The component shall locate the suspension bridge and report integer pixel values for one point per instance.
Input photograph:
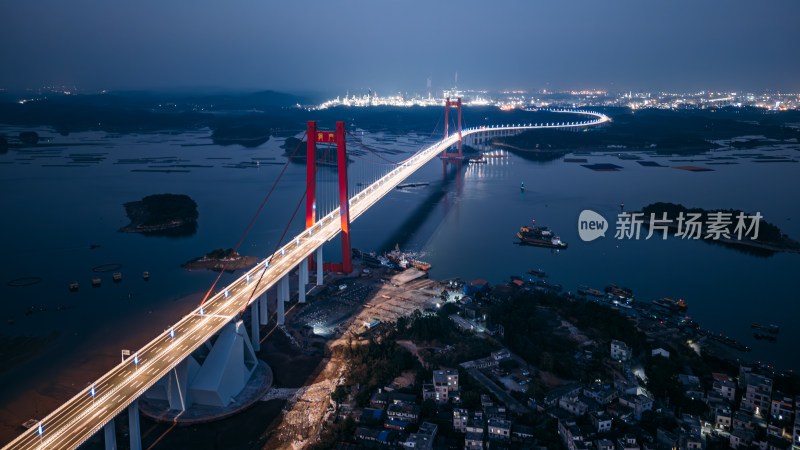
(220, 313)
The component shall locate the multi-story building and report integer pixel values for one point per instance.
(444, 383)
(473, 441)
(601, 393)
(573, 404)
(796, 432)
(758, 393)
(620, 351)
(725, 388)
(476, 425)
(604, 444)
(627, 442)
(601, 421)
(722, 418)
(424, 438)
(428, 392)
(460, 418)
(375, 437)
(638, 403)
(499, 429)
(781, 407)
(741, 437)
(403, 411)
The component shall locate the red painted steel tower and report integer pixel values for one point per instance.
(447, 106)
(329, 137)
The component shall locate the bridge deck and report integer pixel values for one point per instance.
(83, 415)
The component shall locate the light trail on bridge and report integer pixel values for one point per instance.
(83, 415)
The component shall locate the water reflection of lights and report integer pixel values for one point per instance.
(491, 165)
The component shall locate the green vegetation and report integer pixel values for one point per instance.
(161, 209)
(533, 331)
(168, 214)
(767, 232)
(375, 363)
(770, 238)
(221, 254)
(339, 432)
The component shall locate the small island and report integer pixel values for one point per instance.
(220, 259)
(172, 215)
(770, 238)
(249, 135)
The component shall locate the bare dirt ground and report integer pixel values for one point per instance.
(307, 410)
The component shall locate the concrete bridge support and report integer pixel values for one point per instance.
(255, 336)
(302, 281)
(133, 425)
(110, 432)
(319, 266)
(262, 309)
(283, 296)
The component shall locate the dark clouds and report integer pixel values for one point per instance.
(392, 45)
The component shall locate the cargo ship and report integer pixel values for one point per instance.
(771, 328)
(403, 260)
(583, 290)
(540, 236)
(538, 273)
(421, 265)
(672, 305)
(619, 293)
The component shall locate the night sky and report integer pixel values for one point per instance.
(392, 46)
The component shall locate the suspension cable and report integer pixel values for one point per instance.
(285, 230)
(250, 225)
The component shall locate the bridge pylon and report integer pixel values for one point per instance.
(330, 137)
(448, 104)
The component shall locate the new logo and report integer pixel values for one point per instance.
(591, 225)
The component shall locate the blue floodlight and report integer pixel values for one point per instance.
(92, 391)
(136, 359)
(41, 430)
(172, 333)
(226, 293)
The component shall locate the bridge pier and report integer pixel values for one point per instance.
(302, 281)
(319, 266)
(255, 336)
(285, 288)
(281, 314)
(133, 425)
(262, 309)
(283, 296)
(110, 432)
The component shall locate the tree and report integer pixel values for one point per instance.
(428, 409)
(339, 394)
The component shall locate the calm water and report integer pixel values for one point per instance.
(464, 224)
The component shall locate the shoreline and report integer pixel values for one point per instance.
(791, 246)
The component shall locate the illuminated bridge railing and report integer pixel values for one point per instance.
(87, 412)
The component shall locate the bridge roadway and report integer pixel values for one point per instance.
(87, 412)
